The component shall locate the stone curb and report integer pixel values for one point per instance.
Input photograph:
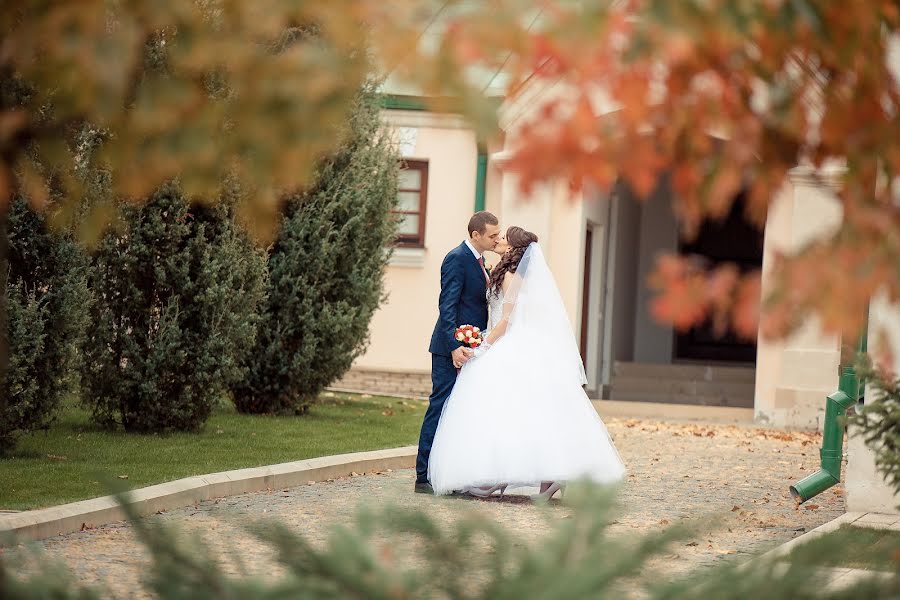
(86, 514)
(819, 531)
(839, 577)
(858, 519)
(362, 392)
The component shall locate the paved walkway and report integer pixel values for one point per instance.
(676, 471)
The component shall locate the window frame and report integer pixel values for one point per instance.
(407, 240)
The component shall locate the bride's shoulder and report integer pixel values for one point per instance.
(508, 278)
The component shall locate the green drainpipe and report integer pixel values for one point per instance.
(832, 440)
(480, 179)
(833, 436)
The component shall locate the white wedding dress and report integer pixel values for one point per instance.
(517, 414)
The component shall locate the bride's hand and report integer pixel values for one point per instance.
(480, 350)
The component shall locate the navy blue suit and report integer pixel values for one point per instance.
(463, 301)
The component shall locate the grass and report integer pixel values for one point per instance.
(857, 548)
(73, 460)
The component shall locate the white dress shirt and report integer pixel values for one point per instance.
(479, 257)
(474, 251)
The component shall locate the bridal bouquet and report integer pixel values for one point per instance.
(467, 335)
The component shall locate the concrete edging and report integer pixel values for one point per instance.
(858, 519)
(833, 525)
(85, 514)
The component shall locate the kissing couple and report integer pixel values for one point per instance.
(512, 411)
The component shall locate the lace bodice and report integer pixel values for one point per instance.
(495, 308)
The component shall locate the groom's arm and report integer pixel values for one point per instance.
(448, 303)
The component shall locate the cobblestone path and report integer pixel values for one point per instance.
(676, 471)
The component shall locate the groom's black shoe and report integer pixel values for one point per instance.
(423, 487)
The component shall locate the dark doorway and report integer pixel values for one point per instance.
(734, 240)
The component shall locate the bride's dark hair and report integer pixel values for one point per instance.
(518, 239)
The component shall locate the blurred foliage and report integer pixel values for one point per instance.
(326, 271)
(723, 97)
(878, 420)
(397, 553)
(199, 89)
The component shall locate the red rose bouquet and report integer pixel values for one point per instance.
(468, 336)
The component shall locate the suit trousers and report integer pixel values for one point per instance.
(443, 377)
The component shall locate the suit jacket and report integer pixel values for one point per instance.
(463, 299)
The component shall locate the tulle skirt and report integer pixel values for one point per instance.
(519, 416)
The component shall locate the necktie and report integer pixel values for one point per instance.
(483, 270)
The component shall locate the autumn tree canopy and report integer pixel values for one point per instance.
(722, 96)
(719, 94)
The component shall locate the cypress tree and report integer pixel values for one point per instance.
(326, 272)
(177, 292)
(47, 302)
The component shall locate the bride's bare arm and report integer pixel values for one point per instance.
(500, 328)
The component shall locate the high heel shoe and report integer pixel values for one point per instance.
(548, 493)
(487, 492)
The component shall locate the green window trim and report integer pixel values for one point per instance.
(399, 102)
(395, 102)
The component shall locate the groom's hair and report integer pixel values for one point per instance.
(480, 221)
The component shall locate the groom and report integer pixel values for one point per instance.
(463, 301)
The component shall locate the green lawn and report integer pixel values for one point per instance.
(852, 547)
(71, 461)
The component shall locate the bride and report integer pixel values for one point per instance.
(517, 415)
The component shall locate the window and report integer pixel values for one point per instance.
(411, 201)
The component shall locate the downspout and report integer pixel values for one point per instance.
(832, 440)
(831, 453)
(480, 178)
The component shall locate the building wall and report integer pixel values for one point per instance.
(622, 272)
(598, 217)
(401, 328)
(565, 249)
(557, 217)
(653, 342)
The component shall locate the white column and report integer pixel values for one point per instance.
(866, 489)
(794, 375)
